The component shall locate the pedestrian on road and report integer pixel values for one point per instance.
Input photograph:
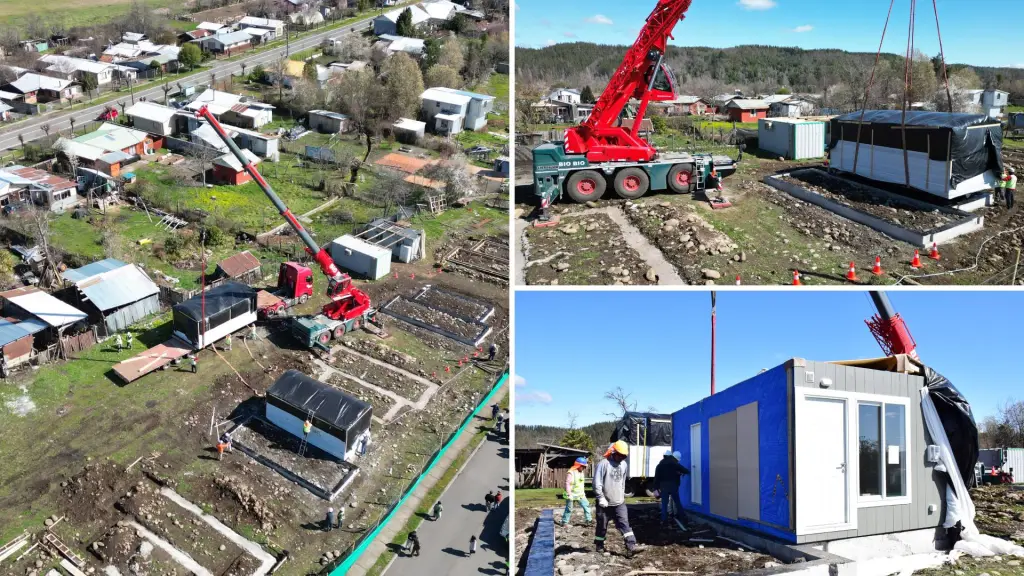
(416, 547)
(120, 344)
(492, 352)
(437, 510)
(610, 488)
(131, 341)
(330, 519)
(193, 363)
(497, 499)
(1010, 189)
(494, 411)
(409, 541)
(472, 545)
(501, 420)
(667, 476)
(489, 500)
(575, 491)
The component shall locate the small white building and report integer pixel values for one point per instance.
(792, 138)
(360, 257)
(410, 131)
(387, 23)
(566, 95)
(211, 26)
(451, 111)
(151, 117)
(327, 122)
(991, 102)
(269, 23)
(390, 44)
(80, 68)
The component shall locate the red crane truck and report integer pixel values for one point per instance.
(349, 308)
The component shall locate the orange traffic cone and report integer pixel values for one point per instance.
(396, 275)
(935, 252)
(738, 283)
(433, 374)
(412, 276)
(460, 362)
(916, 262)
(851, 274)
(447, 369)
(796, 278)
(877, 270)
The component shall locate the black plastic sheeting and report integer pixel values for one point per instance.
(957, 420)
(218, 299)
(975, 148)
(639, 429)
(340, 414)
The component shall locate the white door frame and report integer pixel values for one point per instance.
(804, 487)
(696, 470)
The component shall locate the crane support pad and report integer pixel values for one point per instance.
(541, 561)
(151, 360)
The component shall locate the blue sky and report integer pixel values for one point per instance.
(973, 32)
(572, 347)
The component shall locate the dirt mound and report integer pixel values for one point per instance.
(90, 495)
(1000, 511)
(245, 496)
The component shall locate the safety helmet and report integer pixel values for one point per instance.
(677, 455)
(1012, 170)
(619, 446)
(582, 461)
(668, 452)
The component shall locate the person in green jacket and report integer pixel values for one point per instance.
(575, 492)
(1010, 187)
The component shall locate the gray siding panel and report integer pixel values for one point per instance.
(723, 475)
(924, 485)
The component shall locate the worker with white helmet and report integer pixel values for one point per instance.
(667, 476)
(610, 488)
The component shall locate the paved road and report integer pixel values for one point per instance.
(31, 131)
(445, 543)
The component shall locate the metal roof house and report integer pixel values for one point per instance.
(450, 111)
(114, 293)
(327, 122)
(340, 421)
(209, 316)
(152, 118)
(406, 244)
(243, 267)
(814, 452)
(30, 316)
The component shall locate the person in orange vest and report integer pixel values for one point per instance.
(575, 493)
(221, 446)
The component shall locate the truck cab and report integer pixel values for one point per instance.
(294, 282)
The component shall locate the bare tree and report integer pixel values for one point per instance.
(71, 120)
(166, 88)
(390, 190)
(243, 66)
(205, 155)
(570, 419)
(45, 127)
(621, 399)
(122, 104)
(34, 222)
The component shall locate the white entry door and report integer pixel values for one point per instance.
(695, 463)
(822, 464)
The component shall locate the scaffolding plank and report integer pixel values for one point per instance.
(151, 360)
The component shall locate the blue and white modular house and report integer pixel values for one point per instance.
(814, 451)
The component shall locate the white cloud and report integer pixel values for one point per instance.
(519, 380)
(804, 28)
(599, 19)
(758, 4)
(550, 43)
(538, 397)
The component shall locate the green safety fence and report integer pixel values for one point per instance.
(368, 539)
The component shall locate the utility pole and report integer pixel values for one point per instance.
(713, 343)
(131, 88)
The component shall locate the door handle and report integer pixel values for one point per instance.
(842, 467)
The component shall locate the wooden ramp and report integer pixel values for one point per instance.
(153, 359)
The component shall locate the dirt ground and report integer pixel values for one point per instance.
(381, 404)
(775, 234)
(667, 548)
(436, 318)
(315, 466)
(95, 428)
(448, 301)
(489, 263)
(584, 250)
(379, 376)
(1000, 511)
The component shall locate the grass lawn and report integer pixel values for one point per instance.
(471, 139)
(427, 504)
(552, 498)
(76, 12)
(462, 218)
(1013, 109)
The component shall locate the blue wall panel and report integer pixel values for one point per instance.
(770, 390)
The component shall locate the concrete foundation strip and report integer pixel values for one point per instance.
(70, 568)
(254, 549)
(13, 546)
(178, 556)
(485, 330)
(967, 224)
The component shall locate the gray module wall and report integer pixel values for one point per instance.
(925, 483)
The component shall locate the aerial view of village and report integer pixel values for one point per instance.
(254, 274)
(789, 163)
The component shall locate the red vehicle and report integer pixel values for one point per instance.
(109, 114)
(294, 286)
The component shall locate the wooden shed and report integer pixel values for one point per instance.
(546, 466)
(242, 267)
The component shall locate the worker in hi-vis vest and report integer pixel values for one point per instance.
(575, 492)
(1010, 187)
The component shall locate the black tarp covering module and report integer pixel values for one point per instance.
(957, 420)
(973, 143)
(334, 411)
(644, 429)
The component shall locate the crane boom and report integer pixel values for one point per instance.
(889, 329)
(642, 75)
(338, 280)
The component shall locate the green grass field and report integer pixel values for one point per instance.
(76, 12)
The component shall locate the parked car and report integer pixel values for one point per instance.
(109, 114)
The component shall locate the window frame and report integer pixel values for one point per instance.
(880, 401)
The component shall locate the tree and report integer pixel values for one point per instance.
(404, 25)
(451, 54)
(242, 66)
(358, 94)
(258, 74)
(190, 55)
(587, 95)
(89, 84)
(577, 439)
(658, 122)
(391, 190)
(154, 65)
(783, 90)
(166, 88)
(403, 86)
(7, 264)
(621, 399)
(458, 24)
(924, 81)
(442, 76)
(45, 127)
(354, 47)
(309, 71)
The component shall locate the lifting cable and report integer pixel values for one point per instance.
(871, 81)
(908, 88)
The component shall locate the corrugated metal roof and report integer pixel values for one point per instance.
(239, 264)
(118, 288)
(13, 331)
(44, 306)
(77, 275)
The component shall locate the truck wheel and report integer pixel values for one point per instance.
(632, 183)
(586, 186)
(681, 179)
(324, 337)
(339, 332)
(304, 298)
(356, 325)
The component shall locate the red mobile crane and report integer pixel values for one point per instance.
(349, 307)
(601, 151)
(889, 329)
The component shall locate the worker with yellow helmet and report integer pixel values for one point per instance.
(610, 488)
